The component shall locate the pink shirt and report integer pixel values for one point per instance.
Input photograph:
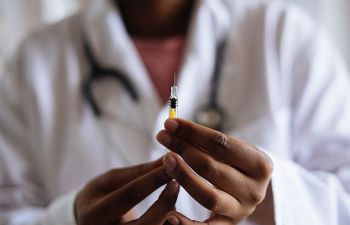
(162, 59)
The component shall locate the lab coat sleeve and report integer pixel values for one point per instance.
(313, 185)
(23, 199)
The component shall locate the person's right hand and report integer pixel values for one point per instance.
(108, 198)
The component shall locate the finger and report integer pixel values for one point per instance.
(117, 203)
(176, 218)
(238, 153)
(223, 176)
(157, 213)
(203, 192)
(116, 178)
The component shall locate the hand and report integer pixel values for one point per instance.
(238, 172)
(108, 198)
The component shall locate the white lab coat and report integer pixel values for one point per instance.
(283, 86)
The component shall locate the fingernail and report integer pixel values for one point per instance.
(173, 220)
(170, 163)
(171, 125)
(164, 138)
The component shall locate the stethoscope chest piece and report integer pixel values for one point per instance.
(211, 116)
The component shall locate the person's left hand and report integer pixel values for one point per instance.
(238, 172)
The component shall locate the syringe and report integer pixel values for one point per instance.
(173, 101)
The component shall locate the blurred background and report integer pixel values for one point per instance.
(18, 17)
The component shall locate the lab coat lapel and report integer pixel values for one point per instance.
(105, 32)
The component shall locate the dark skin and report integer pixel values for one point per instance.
(226, 175)
(239, 172)
(156, 18)
(110, 197)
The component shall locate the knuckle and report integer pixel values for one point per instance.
(213, 202)
(264, 166)
(256, 197)
(220, 143)
(211, 169)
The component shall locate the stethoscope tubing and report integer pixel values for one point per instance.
(99, 72)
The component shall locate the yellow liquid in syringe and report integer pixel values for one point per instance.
(173, 113)
(173, 101)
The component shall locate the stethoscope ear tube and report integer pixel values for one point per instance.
(98, 73)
(87, 87)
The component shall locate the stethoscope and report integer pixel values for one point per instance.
(211, 115)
